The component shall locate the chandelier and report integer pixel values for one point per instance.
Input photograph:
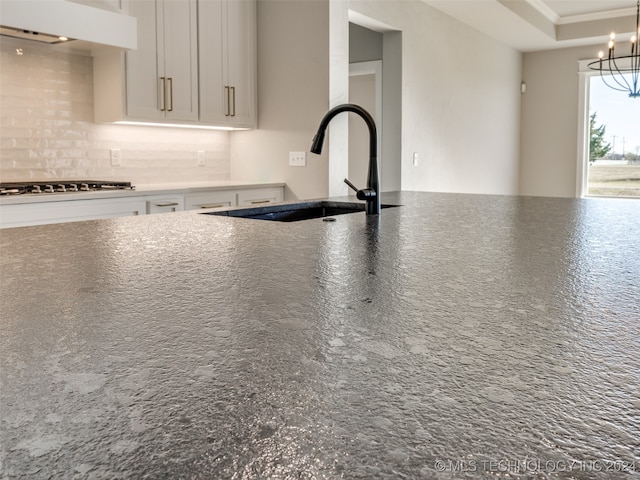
(621, 72)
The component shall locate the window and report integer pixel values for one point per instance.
(613, 142)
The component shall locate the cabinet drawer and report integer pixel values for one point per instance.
(69, 211)
(260, 196)
(165, 204)
(198, 201)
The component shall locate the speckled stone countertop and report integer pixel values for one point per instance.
(459, 336)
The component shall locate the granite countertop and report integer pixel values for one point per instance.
(139, 190)
(459, 336)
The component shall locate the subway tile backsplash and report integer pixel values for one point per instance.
(47, 129)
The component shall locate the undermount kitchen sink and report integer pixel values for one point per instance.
(294, 212)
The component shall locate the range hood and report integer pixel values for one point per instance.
(35, 36)
(49, 20)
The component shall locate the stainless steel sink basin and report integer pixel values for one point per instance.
(294, 212)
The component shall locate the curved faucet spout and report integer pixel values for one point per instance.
(372, 193)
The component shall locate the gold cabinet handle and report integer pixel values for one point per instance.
(167, 204)
(233, 96)
(170, 94)
(218, 205)
(163, 106)
(227, 108)
(256, 202)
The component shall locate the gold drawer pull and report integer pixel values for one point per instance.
(256, 202)
(233, 96)
(217, 205)
(163, 106)
(167, 204)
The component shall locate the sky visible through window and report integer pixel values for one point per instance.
(620, 114)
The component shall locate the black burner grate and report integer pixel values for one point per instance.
(61, 186)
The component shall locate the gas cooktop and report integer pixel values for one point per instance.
(61, 186)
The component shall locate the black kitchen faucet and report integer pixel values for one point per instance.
(371, 194)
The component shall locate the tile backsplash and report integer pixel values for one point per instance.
(47, 129)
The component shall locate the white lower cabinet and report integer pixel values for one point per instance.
(259, 196)
(201, 201)
(69, 211)
(42, 213)
(165, 204)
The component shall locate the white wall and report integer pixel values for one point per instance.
(365, 45)
(460, 106)
(549, 137)
(293, 95)
(460, 101)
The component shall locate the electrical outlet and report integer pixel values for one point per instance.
(200, 158)
(116, 157)
(297, 159)
(415, 159)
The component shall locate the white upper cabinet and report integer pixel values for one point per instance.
(195, 65)
(162, 74)
(227, 58)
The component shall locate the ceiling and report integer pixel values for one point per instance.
(531, 25)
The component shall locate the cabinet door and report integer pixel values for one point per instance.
(200, 201)
(143, 66)
(212, 58)
(165, 204)
(68, 211)
(180, 47)
(260, 196)
(161, 75)
(241, 60)
(227, 61)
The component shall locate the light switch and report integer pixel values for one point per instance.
(297, 159)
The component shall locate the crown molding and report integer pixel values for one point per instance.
(595, 16)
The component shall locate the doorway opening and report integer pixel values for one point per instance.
(613, 142)
(375, 73)
(365, 89)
